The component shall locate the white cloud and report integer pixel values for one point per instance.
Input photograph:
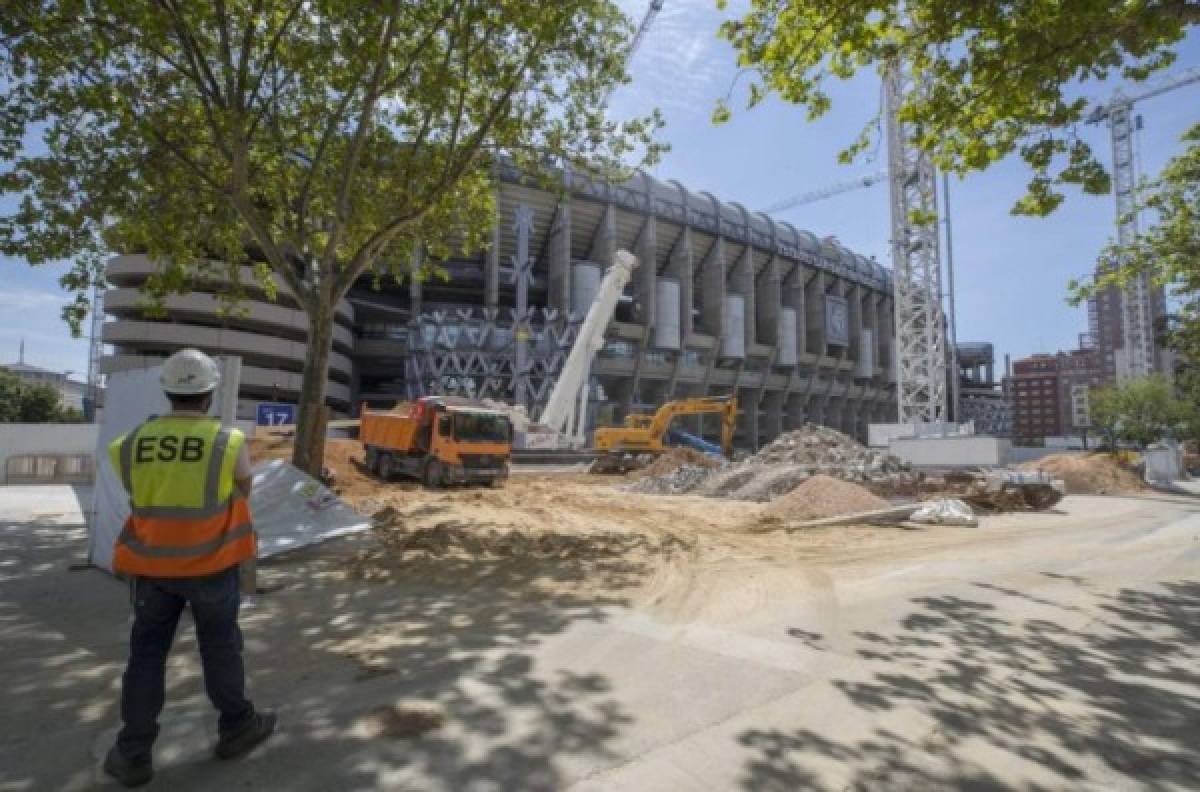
(681, 66)
(31, 299)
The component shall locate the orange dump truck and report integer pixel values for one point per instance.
(439, 441)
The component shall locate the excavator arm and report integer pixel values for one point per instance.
(621, 447)
(725, 406)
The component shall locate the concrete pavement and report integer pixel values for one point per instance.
(1038, 652)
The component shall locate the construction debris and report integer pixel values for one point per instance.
(944, 511)
(674, 459)
(1004, 490)
(785, 463)
(891, 515)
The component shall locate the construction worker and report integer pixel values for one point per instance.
(188, 480)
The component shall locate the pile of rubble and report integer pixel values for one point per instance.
(785, 463)
(1003, 490)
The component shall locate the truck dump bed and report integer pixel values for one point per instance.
(392, 430)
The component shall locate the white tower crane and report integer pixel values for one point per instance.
(643, 27)
(812, 196)
(1137, 315)
(916, 266)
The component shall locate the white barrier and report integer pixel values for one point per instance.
(964, 451)
(51, 439)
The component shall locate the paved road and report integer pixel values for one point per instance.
(1039, 652)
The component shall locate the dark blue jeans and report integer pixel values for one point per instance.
(158, 603)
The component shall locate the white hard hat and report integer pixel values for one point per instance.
(189, 371)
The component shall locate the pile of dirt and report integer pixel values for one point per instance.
(343, 457)
(784, 464)
(674, 459)
(823, 496)
(1089, 474)
(461, 539)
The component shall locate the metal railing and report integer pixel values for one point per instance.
(50, 469)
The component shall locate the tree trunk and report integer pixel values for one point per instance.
(308, 454)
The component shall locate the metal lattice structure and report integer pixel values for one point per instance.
(1138, 351)
(812, 196)
(1137, 325)
(473, 352)
(95, 352)
(916, 268)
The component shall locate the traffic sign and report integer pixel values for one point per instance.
(275, 414)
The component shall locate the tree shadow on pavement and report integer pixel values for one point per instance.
(330, 650)
(1112, 701)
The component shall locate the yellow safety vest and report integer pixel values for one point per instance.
(187, 517)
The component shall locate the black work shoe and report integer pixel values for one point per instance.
(245, 739)
(130, 774)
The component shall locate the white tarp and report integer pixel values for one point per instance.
(292, 510)
(945, 511)
(130, 398)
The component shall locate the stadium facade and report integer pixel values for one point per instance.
(724, 301)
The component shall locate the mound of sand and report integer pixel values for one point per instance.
(342, 455)
(1089, 474)
(823, 496)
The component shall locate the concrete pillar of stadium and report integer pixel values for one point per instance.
(558, 264)
(681, 266)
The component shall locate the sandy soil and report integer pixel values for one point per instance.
(1089, 474)
(575, 531)
(824, 496)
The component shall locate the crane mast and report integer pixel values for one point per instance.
(1137, 314)
(916, 266)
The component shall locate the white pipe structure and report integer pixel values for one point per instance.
(566, 409)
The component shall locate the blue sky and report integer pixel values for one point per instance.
(1011, 272)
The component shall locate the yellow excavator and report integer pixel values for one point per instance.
(642, 437)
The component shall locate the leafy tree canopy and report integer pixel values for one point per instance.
(1141, 411)
(993, 74)
(22, 402)
(319, 140)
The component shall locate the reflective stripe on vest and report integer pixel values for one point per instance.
(187, 517)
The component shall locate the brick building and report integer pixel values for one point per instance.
(1034, 391)
(1049, 393)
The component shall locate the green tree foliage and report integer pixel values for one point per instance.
(1104, 410)
(40, 404)
(318, 140)
(25, 403)
(993, 74)
(1140, 411)
(10, 397)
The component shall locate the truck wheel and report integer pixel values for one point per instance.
(433, 474)
(372, 460)
(385, 467)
